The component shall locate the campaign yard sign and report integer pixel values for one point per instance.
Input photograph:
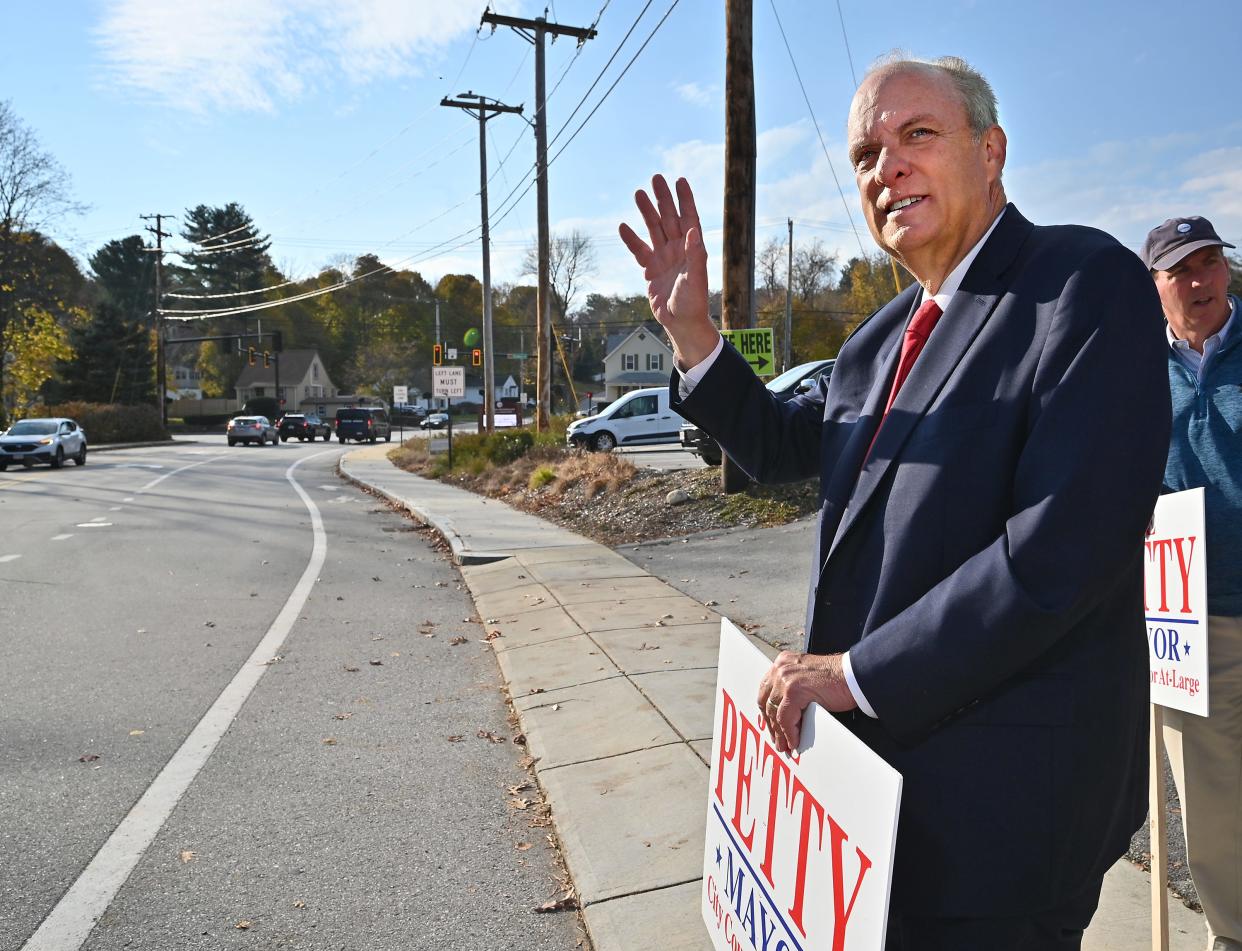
(1175, 602)
(799, 851)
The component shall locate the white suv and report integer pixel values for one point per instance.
(51, 440)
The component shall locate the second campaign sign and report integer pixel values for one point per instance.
(1175, 602)
(799, 851)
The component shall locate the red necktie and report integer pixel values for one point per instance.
(920, 328)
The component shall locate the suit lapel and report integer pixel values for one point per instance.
(956, 330)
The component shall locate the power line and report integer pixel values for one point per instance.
(822, 145)
(848, 55)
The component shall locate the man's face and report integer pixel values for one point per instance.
(1195, 292)
(929, 188)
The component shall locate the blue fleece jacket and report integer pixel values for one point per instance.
(1206, 450)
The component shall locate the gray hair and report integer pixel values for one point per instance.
(976, 92)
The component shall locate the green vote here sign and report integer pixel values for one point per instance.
(756, 345)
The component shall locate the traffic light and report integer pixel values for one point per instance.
(476, 357)
(278, 341)
(250, 355)
(267, 358)
(437, 355)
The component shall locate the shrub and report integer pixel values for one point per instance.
(541, 477)
(111, 422)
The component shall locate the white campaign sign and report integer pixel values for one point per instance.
(1175, 601)
(799, 852)
(449, 382)
(400, 395)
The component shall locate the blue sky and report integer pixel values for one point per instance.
(321, 117)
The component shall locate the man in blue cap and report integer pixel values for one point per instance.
(1187, 261)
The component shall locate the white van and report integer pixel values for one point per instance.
(637, 418)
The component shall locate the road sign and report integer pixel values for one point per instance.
(452, 353)
(400, 395)
(517, 356)
(449, 382)
(756, 345)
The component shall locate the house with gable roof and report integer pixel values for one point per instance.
(634, 359)
(304, 381)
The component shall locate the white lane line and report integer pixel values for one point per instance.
(9, 557)
(93, 525)
(168, 475)
(73, 918)
(128, 499)
(61, 538)
(115, 508)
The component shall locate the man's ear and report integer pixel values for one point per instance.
(995, 146)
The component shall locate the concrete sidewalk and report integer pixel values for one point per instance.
(613, 674)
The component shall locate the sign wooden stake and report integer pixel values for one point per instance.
(1158, 834)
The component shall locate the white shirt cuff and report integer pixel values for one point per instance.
(691, 377)
(848, 669)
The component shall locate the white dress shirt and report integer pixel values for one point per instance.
(691, 377)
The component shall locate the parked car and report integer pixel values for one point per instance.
(435, 421)
(363, 423)
(302, 427)
(252, 429)
(640, 417)
(51, 440)
(800, 379)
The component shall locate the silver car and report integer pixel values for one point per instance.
(252, 429)
(51, 440)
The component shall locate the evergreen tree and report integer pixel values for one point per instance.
(113, 361)
(125, 274)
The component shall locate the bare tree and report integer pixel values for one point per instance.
(34, 191)
(571, 257)
(770, 266)
(812, 271)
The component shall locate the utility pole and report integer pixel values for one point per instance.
(737, 301)
(161, 371)
(482, 110)
(534, 32)
(789, 304)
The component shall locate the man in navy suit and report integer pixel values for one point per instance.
(990, 448)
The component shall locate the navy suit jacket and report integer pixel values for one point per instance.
(982, 565)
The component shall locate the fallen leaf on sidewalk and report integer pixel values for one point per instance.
(514, 790)
(490, 735)
(492, 635)
(457, 738)
(137, 732)
(376, 663)
(644, 646)
(710, 604)
(523, 846)
(352, 670)
(534, 690)
(299, 904)
(520, 804)
(329, 741)
(243, 925)
(556, 706)
(568, 903)
(459, 639)
(519, 739)
(341, 716)
(186, 856)
(88, 758)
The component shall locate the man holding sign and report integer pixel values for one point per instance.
(1187, 261)
(990, 448)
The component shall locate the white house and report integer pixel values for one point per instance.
(634, 359)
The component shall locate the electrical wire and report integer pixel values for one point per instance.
(848, 55)
(807, 99)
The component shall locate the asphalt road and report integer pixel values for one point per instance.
(348, 773)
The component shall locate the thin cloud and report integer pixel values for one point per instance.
(250, 55)
(696, 94)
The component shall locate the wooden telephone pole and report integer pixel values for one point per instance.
(482, 109)
(161, 371)
(737, 299)
(534, 32)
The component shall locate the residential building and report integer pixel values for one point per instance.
(304, 383)
(634, 359)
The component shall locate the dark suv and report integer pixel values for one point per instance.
(791, 383)
(303, 427)
(363, 423)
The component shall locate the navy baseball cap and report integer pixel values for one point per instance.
(1176, 238)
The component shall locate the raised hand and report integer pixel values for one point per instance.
(675, 267)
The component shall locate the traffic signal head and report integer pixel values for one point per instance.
(437, 355)
(267, 358)
(250, 355)
(476, 357)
